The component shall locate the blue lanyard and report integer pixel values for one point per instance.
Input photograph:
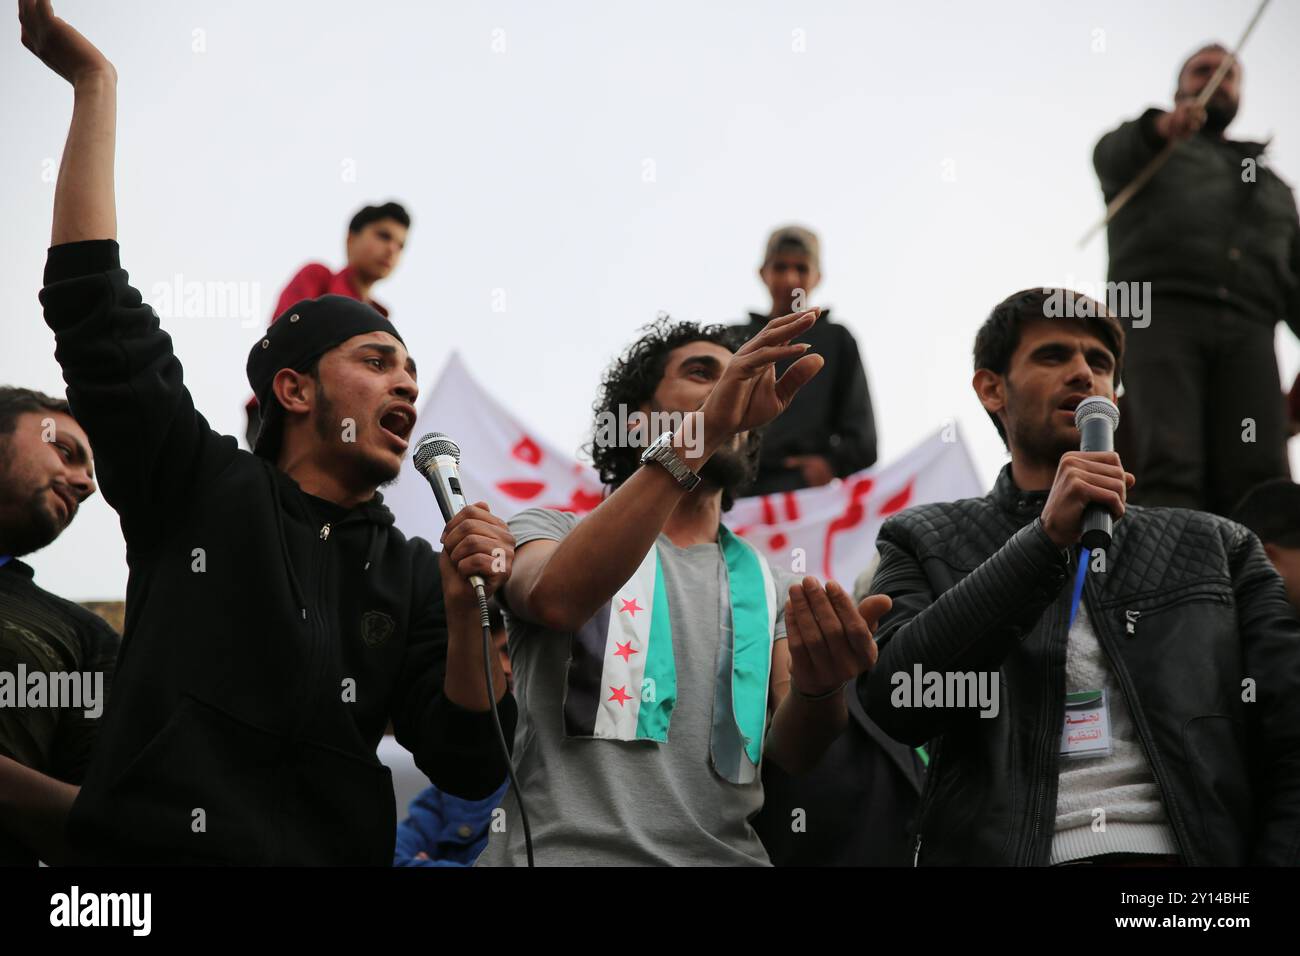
(5, 559)
(1078, 584)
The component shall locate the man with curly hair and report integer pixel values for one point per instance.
(657, 657)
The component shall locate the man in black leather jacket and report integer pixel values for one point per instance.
(1193, 754)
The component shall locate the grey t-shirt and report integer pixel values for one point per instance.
(609, 802)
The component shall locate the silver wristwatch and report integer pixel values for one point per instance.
(661, 451)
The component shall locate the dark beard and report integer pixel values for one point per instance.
(327, 421)
(732, 469)
(33, 529)
(1039, 448)
(1218, 114)
(328, 429)
(1038, 444)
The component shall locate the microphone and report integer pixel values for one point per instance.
(1097, 418)
(437, 457)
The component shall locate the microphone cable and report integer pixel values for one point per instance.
(485, 620)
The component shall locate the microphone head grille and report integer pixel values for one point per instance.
(1096, 406)
(431, 446)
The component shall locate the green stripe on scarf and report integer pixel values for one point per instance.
(654, 715)
(752, 634)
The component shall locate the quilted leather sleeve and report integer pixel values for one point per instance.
(1270, 642)
(970, 626)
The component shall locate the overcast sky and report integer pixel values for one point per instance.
(575, 168)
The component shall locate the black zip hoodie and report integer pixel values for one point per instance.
(270, 635)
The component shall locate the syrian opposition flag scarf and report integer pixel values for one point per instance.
(622, 681)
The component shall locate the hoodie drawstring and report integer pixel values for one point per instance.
(372, 549)
(284, 545)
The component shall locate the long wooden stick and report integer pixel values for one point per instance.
(1159, 159)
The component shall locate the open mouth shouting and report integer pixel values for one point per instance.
(1069, 404)
(396, 422)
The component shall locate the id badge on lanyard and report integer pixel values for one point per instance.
(1086, 732)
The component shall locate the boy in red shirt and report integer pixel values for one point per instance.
(376, 237)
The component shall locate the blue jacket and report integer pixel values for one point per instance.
(450, 830)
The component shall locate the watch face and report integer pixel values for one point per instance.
(661, 442)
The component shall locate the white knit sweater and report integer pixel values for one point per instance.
(1121, 785)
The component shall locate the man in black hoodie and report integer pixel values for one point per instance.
(276, 620)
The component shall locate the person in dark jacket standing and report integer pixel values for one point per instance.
(1216, 235)
(46, 742)
(1272, 511)
(830, 431)
(1157, 723)
(854, 808)
(275, 619)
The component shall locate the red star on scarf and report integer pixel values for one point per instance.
(620, 695)
(630, 606)
(624, 651)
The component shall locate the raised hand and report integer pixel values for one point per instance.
(1084, 478)
(749, 394)
(830, 637)
(475, 541)
(1182, 121)
(59, 45)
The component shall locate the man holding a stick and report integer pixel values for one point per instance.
(1215, 232)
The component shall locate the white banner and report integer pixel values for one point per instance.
(502, 461)
(830, 532)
